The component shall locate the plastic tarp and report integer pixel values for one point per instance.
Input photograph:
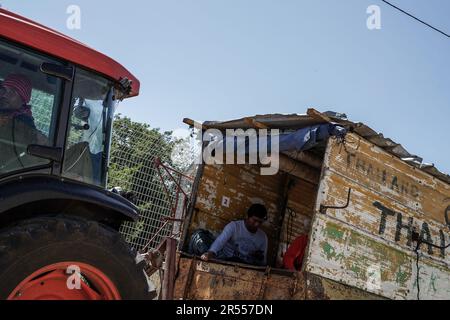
(300, 140)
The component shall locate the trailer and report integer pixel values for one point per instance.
(377, 219)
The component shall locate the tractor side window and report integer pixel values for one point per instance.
(90, 126)
(29, 101)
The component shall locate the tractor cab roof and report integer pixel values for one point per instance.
(34, 35)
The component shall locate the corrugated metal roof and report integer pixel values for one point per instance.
(313, 117)
(276, 121)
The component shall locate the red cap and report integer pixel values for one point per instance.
(21, 84)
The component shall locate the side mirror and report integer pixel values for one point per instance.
(58, 71)
(82, 113)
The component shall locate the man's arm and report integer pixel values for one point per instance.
(220, 242)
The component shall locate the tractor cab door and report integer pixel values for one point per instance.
(92, 111)
(29, 100)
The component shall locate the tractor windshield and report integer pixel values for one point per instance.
(92, 111)
(29, 101)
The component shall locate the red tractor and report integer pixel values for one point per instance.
(59, 225)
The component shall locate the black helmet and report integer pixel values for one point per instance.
(201, 241)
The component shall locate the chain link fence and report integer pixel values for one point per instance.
(135, 147)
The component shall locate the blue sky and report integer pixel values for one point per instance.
(217, 60)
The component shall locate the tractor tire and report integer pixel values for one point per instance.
(39, 258)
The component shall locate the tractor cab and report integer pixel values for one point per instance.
(50, 112)
(57, 102)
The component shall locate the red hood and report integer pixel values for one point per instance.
(39, 37)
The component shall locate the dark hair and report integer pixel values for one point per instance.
(257, 210)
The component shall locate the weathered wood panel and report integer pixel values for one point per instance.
(200, 280)
(341, 253)
(373, 235)
(391, 177)
(210, 281)
(392, 221)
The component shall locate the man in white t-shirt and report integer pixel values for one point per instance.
(242, 241)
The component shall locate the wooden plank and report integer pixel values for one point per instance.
(318, 115)
(193, 123)
(256, 124)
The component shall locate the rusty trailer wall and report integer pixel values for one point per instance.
(200, 280)
(369, 245)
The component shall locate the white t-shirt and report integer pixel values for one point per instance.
(236, 241)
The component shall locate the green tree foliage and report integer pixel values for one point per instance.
(134, 148)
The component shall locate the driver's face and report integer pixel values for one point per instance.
(9, 99)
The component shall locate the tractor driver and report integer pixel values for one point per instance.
(17, 127)
(242, 241)
(15, 94)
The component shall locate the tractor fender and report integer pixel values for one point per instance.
(24, 190)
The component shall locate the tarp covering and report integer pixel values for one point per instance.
(307, 138)
(298, 141)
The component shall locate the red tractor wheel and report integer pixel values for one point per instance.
(66, 258)
(54, 282)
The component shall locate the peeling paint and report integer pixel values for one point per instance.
(389, 200)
